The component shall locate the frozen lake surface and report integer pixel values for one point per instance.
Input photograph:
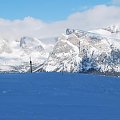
(57, 96)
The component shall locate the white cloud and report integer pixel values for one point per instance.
(98, 16)
(93, 18)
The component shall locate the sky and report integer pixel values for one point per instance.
(47, 10)
(48, 18)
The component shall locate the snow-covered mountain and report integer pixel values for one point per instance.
(82, 51)
(74, 51)
(16, 54)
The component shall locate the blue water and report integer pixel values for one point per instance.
(57, 96)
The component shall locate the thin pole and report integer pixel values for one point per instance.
(30, 65)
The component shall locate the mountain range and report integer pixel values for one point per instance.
(74, 51)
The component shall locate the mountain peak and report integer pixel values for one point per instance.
(84, 51)
(113, 28)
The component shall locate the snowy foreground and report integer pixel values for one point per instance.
(57, 96)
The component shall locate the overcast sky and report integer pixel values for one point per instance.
(47, 18)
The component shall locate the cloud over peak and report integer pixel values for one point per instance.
(96, 17)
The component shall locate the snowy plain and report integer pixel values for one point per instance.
(59, 96)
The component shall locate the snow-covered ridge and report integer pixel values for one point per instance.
(74, 51)
(109, 31)
(15, 54)
(78, 51)
(113, 28)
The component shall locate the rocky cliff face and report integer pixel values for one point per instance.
(81, 51)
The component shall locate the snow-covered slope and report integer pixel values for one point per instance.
(75, 51)
(110, 31)
(78, 51)
(15, 54)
